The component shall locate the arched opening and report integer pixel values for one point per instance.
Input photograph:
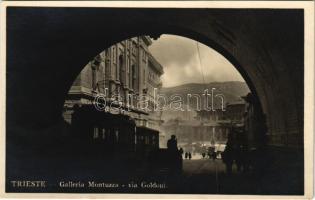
(140, 131)
(126, 89)
(268, 55)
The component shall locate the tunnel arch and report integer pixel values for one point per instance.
(260, 50)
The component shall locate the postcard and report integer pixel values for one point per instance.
(157, 99)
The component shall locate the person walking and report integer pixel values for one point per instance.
(181, 152)
(172, 144)
(174, 156)
(189, 156)
(186, 155)
(227, 159)
(228, 153)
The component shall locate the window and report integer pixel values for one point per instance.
(103, 134)
(134, 77)
(121, 69)
(116, 135)
(114, 54)
(146, 140)
(127, 64)
(134, 48)
(95, 133)
(94, 77)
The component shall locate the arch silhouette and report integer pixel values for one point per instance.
(47, 47)
(268, 55)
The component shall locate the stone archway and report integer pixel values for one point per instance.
(53, 43)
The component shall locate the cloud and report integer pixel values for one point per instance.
(179, 57)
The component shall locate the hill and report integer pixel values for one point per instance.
(231, 91)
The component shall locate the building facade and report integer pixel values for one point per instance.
(207, 127)
(125, 76)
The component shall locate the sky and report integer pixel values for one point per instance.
(180, 61)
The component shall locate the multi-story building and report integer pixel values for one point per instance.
(122, 74)
(207, 127)
(153, 86)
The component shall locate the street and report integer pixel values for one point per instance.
(208, 176)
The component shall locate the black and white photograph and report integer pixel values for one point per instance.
(152, 98)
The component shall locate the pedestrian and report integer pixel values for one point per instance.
(172, 144)
(189, 155)
(214, 155)
(181, 152)
(228, 156)
(174, 155)
(186, 155)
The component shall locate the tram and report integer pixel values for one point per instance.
(107, 133)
